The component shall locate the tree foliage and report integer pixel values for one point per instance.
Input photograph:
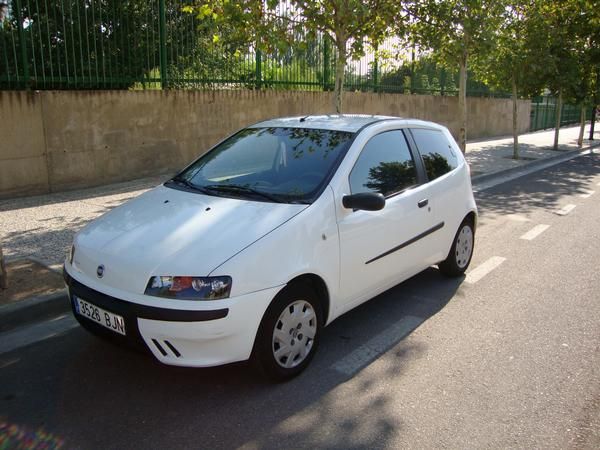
(513, 62)
(349, 24)
(454, 30)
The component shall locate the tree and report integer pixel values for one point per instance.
(455, 30)
(512, 63)
(349, 23)
(91, 44)
(245, 26)
(570, 30)
(587, 35)
(560, 52)
(272, 24)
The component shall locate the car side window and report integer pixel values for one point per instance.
(438, 155)
(385, 165)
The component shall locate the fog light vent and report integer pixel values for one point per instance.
(159, 347)
(173, 349)
(163, 351)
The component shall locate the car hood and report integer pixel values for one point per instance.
(171, 232)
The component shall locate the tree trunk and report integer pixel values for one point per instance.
(3, 273)
(515, 119)
(340, 67)
(462, 103)
(558, 113)
(581, 127)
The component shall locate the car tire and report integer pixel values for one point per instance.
(461, 252)
(289, 333)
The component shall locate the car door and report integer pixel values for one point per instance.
(445, 183)
(381, 248)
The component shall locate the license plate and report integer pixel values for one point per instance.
(99, 315)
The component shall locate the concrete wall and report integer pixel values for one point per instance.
(58, 140)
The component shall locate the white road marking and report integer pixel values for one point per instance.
(21, 337)
(482, 270)
(587, 194)
(534, 232)
(518, 218)
(368, 352)
(566, 210)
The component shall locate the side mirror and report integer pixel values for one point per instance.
(367, 201)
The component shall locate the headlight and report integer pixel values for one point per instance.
(189, 288)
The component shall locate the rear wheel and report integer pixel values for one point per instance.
(289, 333)
(461, 251)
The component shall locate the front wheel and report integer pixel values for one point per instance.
(461, 251)
(289, 333)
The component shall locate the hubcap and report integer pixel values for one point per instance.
(294, 334)
(464, 246)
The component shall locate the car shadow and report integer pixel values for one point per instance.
(93, 394)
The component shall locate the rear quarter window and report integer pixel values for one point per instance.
(438, 154)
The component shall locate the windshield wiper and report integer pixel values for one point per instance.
(187, 183)
(242, 190)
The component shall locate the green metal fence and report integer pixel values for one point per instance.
(154, 44)
(543, 113)
(136, 44)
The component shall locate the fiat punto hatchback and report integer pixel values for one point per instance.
(258, 244)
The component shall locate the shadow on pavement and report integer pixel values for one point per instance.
(117, 189)
(95, 395)
(540, 190)
(49, 228)
(42, 243)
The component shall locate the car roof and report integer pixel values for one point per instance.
(338, 122)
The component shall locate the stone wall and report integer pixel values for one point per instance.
(59, 140)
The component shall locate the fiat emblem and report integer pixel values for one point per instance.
(100, 271)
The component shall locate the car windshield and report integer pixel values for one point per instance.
(286, 165)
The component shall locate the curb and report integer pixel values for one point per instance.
(33, 310)
(533, 166)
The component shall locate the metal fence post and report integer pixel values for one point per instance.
(442, 82)
(23, 43)
(545, 113)
(162, 32)
(326, 63)
(258, 69)
(375, 74)
(412, 70)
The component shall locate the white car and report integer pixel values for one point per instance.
(282, 227)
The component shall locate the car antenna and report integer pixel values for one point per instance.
(302, 119)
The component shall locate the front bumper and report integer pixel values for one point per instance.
(194, 338)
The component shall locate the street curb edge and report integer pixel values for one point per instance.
(33, 310)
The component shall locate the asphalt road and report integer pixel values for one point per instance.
(508, 357)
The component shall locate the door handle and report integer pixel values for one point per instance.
(423, 203)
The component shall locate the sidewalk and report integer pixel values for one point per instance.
(41, 228)
(494, 155)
